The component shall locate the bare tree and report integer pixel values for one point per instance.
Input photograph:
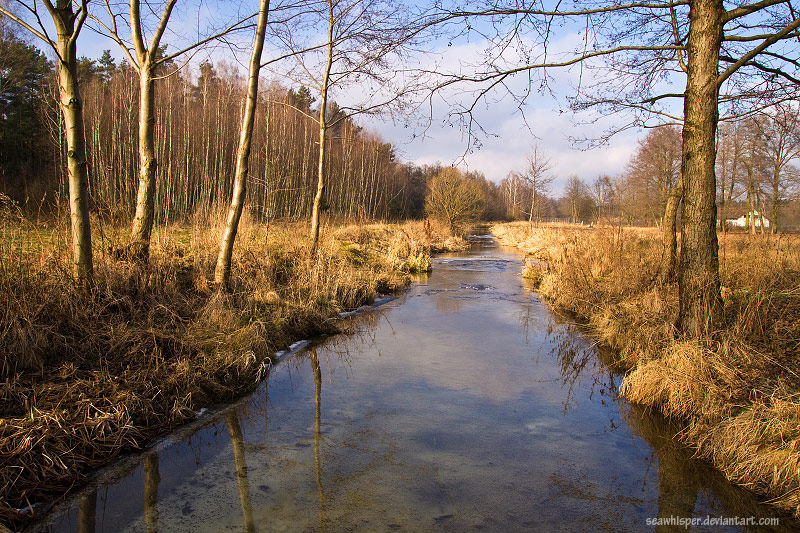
(754, 166)
(513, 189)
(222, 272)
(748, 50)
(146, 59)
(577, 199)
(654, 169)
(602, 194)
(780, 131)
(68, 23)
(454, 199)
(363, 42)
(729, 156)
(538, 177)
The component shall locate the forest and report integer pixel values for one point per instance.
(178, 215)
(755, 161)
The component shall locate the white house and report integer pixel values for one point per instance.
(741, 222)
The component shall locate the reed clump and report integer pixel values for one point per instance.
(88, 374)
(735, 395)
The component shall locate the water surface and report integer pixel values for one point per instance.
(462, 405)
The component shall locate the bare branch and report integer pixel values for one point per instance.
(757, 50)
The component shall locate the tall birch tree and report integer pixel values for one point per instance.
(222, 272)
(362, 46)
(146, 58)
(68, 22)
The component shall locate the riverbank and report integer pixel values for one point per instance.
(737, 397)
(89, 375)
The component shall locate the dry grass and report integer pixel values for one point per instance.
(87, 375)
(737, 394)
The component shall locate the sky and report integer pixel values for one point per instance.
(510, 130)
(510, 136)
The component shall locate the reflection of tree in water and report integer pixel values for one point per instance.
(317, 433)
(580, 358)
(87, 512)
(352, 457)
(683, 480)
(151, 480)
(528, 322)
(235, 432)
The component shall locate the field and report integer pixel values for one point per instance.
(736, 394)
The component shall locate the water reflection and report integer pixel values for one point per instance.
(87, 512)
(686, 486)
(152, 478)
(317, 433)
(240, 462)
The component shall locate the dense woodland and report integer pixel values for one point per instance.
(196, 145)
(197, 132)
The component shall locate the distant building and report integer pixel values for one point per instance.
(742, 221)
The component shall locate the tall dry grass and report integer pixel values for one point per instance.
(88, 374)
(736, 394)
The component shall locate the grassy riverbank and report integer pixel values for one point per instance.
(88, 375)
(737, 396)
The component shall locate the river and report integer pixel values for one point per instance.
(464, 404)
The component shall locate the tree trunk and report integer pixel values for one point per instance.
(222, 272)
(145, 198)
(533, 205)
(323, 129)
(669, 256)
(698, 276)
(775, 201)
(145, 204)
(77, 167)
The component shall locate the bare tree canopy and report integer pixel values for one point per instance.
(362, 48)
(454, 199)
(537, 174)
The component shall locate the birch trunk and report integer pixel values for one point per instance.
(323, 130)
(145, 197)
(72, 108)
(145, 204)
(222, 273)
